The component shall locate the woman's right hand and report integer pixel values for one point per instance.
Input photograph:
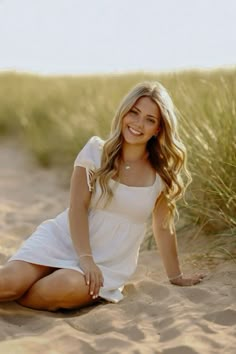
(93, 275)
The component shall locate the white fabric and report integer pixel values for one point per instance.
(115, 232)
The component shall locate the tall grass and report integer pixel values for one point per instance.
(54, 116)
(207, 102)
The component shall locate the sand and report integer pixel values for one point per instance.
(154, 317)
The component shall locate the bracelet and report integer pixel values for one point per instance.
(86, 255)
(177, 277)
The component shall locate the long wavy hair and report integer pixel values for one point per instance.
(167, 153)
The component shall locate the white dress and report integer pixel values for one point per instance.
(115, 232)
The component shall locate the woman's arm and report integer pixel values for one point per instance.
(167, 245)
(79, 229)
(78, 211)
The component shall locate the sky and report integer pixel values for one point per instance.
(115, 36)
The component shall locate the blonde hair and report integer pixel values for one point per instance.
(167, 153)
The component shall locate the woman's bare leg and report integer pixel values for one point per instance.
(65, 288)
(16, 277)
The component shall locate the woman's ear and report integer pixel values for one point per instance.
(155, 135)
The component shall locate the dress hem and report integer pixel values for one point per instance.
(103, 293)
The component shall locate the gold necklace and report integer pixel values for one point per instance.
(128, 165)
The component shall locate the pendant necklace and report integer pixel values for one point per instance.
(128, 165)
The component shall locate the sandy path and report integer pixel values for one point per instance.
(154, 317)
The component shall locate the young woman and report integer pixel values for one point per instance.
(90, 250)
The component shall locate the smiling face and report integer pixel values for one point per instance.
(141, 122)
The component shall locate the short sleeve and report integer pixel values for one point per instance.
(89, 158)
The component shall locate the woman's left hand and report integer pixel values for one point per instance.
(188, 280)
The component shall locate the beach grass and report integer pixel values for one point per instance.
(54, 117)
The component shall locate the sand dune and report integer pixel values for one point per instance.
(154, 317)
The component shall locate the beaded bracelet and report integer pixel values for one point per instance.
(86, 255)
(177, 277)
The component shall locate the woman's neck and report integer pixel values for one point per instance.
(133, 153)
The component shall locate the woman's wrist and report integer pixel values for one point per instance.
(85, 255)
(177, 277)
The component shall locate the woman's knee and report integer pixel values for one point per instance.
(62, 289)
(74, 290)
(10, 286)
(63, 284)
(16, 277)
(68, 280)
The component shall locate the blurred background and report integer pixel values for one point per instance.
(65, 65)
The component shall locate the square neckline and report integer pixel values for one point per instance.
(142, 187)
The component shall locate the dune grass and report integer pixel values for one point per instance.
(54, 117)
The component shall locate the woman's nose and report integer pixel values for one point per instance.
(139, 122)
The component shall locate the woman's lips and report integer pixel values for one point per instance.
(134, 132)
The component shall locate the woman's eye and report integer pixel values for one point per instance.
(151, 120)
(133, 112)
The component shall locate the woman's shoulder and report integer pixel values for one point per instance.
(90, 154)
(94, 148)
(96, 142)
